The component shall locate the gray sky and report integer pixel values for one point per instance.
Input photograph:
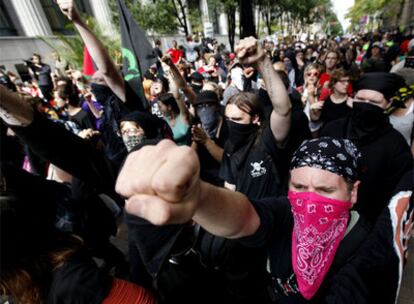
(341, 8)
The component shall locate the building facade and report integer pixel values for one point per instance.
(23, 21)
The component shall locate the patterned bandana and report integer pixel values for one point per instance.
(320, 224)
(339, 156)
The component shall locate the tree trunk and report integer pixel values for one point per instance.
(247, 27)
(181, 16)
(231, 20)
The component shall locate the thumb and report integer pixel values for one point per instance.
(150, 207)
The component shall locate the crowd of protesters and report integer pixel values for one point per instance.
(278, 173)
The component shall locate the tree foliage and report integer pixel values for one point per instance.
(364, 8)
(157, 16)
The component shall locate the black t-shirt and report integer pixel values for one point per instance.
(384, 161)
(83, 119)
(332, 111)
(257, 169)
(209, 167)
(42, 74)
(79, 280)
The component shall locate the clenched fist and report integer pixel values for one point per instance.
(249, 51)
(161, 183)
(68, 8)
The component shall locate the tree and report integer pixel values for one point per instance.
(180, 13)
(158, 16)
(229, 7)
(247, 27)
(370, 8)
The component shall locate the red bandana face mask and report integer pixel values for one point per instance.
(320, 224)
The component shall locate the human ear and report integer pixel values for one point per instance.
(256, 120)
(354, 192)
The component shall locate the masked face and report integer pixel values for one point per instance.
(132, 135)
(240, 134)
(319, 226)
(209, 117)
(101, 92)
(320, 202)
(367, 120)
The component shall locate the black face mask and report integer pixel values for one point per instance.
(209, 117)
(240, 134)
(367, 120)
(102, 92)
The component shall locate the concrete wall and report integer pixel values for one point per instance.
(14, 49)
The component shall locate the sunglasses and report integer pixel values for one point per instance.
(312, 74)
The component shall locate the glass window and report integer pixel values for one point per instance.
(7, 27)
(58, 22)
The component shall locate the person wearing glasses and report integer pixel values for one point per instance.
(386, 155)
(338, 104)
(310, 92)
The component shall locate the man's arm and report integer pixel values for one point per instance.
(163, 200)
(36, 131)
(95, 47)
(200, 137)
(249, 52)
(178, 80)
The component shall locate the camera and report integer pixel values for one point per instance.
(28, 62)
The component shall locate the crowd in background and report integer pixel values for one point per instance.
(65, 137)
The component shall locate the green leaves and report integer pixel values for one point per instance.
(157, 16)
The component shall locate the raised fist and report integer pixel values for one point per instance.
(249, 51)
(68, 8)
(161, 183)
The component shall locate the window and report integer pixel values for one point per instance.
(7, 27)
(58, 22)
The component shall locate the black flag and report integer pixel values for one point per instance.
(137, 52)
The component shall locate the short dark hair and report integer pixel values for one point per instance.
(168, 99)
(248, 103)
(68, 92)
(336, 76)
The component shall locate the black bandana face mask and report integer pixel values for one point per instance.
(239, 134)
(209, 118)
(102, 93)
(131, 141)
(366, 120)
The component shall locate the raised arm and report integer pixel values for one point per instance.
(178, 80)
(250, 52)
(35, 131)
(163, 200)
(95, 47)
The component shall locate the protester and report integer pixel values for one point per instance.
(323, 188)
(248, 118)
(41, 73)
(386, 155)
(338, 104)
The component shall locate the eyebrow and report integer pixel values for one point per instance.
(237, 118)
(319, 188)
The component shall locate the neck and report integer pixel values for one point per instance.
(338, 96)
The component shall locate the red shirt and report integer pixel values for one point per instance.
(175, 54)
